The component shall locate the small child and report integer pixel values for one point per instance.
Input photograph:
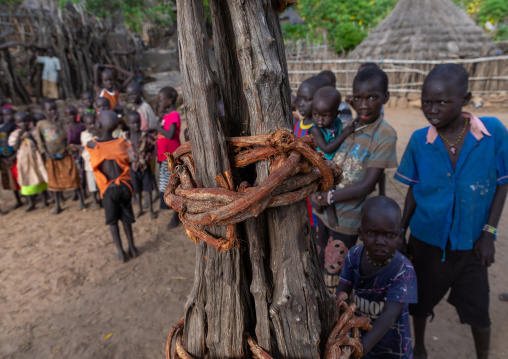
(304, 98)
(168, 140)
(326, 127)
(381, 281)
(86, 136)
(32, 175)
(110, 163)
(457, 170)
(134, 95)
(74, 130)
(108, 82)
(52, 142)
(141, 145)
(88, 105)
(9, 172)
(122, 125)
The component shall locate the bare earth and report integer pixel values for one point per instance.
(64, 295)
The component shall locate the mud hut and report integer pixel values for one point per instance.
(425, 30)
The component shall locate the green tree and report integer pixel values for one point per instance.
(346, 22)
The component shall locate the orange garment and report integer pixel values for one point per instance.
(115, 150)
(113, 97)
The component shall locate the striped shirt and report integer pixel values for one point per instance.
(372, 147)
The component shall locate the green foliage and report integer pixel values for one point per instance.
(495, 11)
(133, 12)
(345, 21)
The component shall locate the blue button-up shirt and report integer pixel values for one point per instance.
(454, 204)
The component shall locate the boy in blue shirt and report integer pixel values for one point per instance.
(381, 281)
(457, 170)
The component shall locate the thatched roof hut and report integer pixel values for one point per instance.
(425, 30)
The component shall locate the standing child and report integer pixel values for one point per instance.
(457, 170)
(74, 130)
(88, 105)
(50, 74)
(103, 74)
(363, 156)
(32, 175)
(103, 104)
(168, 141)
(8, 167)
(110, 163)
(89, 120)
(141, 146)
(381, 281)
(134, 95)
(52, 142)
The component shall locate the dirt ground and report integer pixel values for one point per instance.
(64, 295)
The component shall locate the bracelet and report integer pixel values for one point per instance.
(490, 229)
(329, 198)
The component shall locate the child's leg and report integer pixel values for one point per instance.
(115, 232)
(44, 199)
(79, 192)
(138, 197)
(56, 197)
(18, 200)
(174, 220)
(133, 251)
(419, 325)
(30, 203)
(481, 338)
(153, 215)
(94, 198)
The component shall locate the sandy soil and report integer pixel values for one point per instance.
(64, 295)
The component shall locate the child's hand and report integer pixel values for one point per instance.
(485, 249)
(318, 201)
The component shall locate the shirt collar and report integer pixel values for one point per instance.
(477, 129)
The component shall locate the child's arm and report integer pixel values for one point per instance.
(96, 79)
(385, 320)
(409, 210)
(484, 246)
(343, 287)
(170, 133)
(337, 141)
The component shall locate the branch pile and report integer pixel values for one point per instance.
(296, 170)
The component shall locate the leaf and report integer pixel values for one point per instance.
(108, 336)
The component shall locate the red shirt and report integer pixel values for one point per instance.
(165, 145)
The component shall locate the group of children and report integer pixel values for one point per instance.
(97, 149)
(457, 172)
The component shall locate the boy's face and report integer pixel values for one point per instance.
(380, 233)
(368, 100)
(51, 110)
(22, 122)
(133, 95)
(442, 103)
(134, 123)
(71, 114)
(90, 124)
(102, 105)
(87, 100)
(164, 102)
(107, 80)
(304, 98)
(323, 113)
(8, 115)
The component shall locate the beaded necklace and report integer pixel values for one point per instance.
(453, 150)
(377, 264)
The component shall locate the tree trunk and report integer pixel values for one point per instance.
(270, 286)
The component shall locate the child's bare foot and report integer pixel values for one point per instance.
(153, 215)
(17, 205)
(133, 251)
(139, 214)
(419, 353)
(30, 206)
(57, 210)
(121, 256)
(82, 206)
(75, 196)
(44, 204)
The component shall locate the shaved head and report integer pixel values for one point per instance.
(453, 73)
(380, 204)
(108, 120)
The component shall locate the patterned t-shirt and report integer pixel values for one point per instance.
(395, 282)
(373, 146)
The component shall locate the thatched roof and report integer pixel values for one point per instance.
(425, 30)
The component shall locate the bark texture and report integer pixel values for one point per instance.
(271, 286)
